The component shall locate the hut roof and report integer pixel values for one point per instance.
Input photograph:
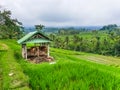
(29, 38)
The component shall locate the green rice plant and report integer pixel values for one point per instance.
(69, 72)
(69, 75)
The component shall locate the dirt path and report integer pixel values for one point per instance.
(109, 60)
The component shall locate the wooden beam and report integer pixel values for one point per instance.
(48, 52)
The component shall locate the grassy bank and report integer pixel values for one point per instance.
(12, 76)
(70, 72)
(71, 76)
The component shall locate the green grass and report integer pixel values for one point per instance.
(1, 73)
(9, 66)
(72, 71)
(70, 74)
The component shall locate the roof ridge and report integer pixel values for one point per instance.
(29, 35)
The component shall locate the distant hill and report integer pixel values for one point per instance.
(29, 29)
(56, 29)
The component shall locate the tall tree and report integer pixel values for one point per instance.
(97, 47)
(10, 28)
(66, 42)
(39, 27)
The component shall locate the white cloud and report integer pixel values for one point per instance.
(64, 12)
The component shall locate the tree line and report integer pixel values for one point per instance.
(109, 44)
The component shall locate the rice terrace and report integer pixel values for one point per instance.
(72, 70)
(59, 45)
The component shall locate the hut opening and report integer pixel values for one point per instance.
(35, 47)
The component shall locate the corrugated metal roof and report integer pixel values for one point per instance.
(38, 41)
(29, 35)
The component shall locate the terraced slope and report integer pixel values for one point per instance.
(71, 71)
(0, 75)
(3, 49)
(11, 73)
(101, 59)
(108, 60)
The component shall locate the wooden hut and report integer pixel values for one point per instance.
(40, 45)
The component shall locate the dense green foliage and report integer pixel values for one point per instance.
(69, 72)
(109, 27)
(9, 28)
(105, 42)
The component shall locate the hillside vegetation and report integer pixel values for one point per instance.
(105, 41)
(71, 71)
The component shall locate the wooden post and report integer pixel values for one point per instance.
(48, 52)
(38, 51)
(24, 51)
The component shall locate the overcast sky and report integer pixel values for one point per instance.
(64, 12)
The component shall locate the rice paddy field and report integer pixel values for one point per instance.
(70, 70)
